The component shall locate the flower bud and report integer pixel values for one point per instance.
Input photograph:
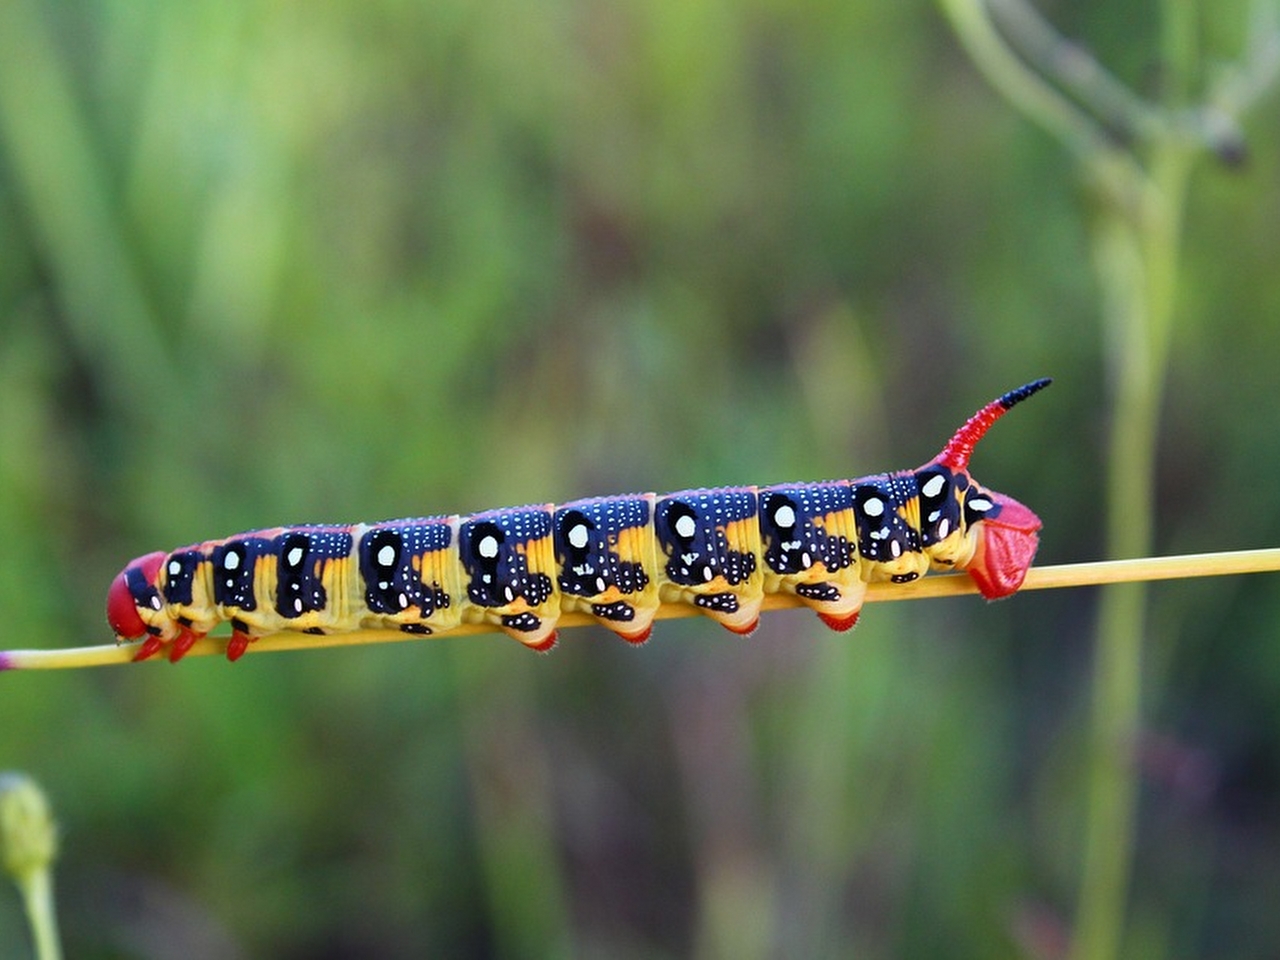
(28, 835)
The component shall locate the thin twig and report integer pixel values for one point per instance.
(946, 585)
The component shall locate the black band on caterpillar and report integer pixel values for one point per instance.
(616, 558)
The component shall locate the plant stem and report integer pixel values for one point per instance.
(37, 900)
(1136, 255)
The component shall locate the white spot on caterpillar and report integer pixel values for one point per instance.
(895, 549)
(294, 557)
(297, 605)
(488, 547)
(601, 586)
(175, 568)
(404, 601)
(578, 536)
(155, 603)
(806, 561)
(980, 504)
(231, 560)
(509, 594)
(933, 486)
(873, 507)
(707, 574)
(784, 516)
(944, 528)
(685, 527)
(386, 556)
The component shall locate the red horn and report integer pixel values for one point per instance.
(959, 448)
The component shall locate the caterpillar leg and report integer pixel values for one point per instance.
(730, 611)
(238, 644)
(840, 624)
(183, 642)
(536, 633)
(633, 624)
(149, 648)
(176, 648)
(837, 605)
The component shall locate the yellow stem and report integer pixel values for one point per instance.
(947, 585)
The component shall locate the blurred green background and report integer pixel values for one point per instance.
(267, 263)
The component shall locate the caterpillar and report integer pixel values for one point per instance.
(615, 558)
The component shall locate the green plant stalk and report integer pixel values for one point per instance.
(1136, 256)
(1136, 252)
(37, 900)
(1135, 247)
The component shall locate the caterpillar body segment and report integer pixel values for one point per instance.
(617, 559)
(606, 555)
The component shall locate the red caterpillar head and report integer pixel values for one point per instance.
(1007, 541)
(134, 601)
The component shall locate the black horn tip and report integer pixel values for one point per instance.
(1026, 390)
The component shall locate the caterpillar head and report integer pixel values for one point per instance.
(134, 605)
(996, 536)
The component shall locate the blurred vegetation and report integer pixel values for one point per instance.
(277, 263)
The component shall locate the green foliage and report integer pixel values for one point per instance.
(275, 263)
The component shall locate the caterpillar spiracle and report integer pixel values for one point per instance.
(615, 558)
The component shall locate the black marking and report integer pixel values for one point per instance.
(417, 628)
(144, 594)
(797, 547)
(719, 602)
(883, 535)
(180, 573)
(303, 553)
(386, 555)
(939, 507)
(690, 527)
(904, 577)
(620, 611)
(497, 571)
(823, 592)
(524, 622)
(979, 504)
(588, 569)
(234, 565)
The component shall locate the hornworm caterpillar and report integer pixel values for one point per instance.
(616, 558)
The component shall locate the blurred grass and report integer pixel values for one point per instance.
(265, 264)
